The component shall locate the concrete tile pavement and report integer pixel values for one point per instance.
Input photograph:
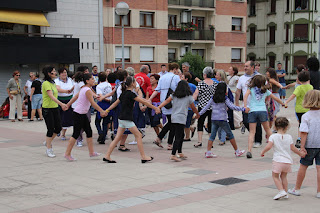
(31, 182)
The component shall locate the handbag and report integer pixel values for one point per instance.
(170, 91)
(14, 92)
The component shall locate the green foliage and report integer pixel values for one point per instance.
(197, 64)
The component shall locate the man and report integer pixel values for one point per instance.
(27, 91)
(163, 70)
(281, 73)
(243, 86)
(142, 78)
(169, 80)
(185, 68)
(95, 76)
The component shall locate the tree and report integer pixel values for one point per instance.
(197, 64)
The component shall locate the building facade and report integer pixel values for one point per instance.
(282, 31)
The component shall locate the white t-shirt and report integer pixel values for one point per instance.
(281, 147)
(103, 89)
(76, 90)
(28, 85)
(233, 81)
(119, 91)
(68, 85)
(243, 83)
(310, 123)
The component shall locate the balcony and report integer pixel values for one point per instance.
(200, 35)
(191, 3)
(31, 5)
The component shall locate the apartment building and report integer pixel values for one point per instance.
(282, 31)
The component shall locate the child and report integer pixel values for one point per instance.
(127, 99)
(219, 118)
(282, 143)
(310, 143)
(81, 121)
(181, 99)
(299, 93)
(257, 88)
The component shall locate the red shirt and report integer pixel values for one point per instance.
(113, 85)
(6, 109)
(143, 80)
(150, 91)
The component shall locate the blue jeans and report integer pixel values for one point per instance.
(189, 118)
(257, 116)
(282, 92)
(222, 135)
(215, 125)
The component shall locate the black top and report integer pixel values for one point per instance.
(315, 79)
(37, 85)
(127, 102)
(192, 75)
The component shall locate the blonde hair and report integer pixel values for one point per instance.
(223, 76)
(312, 99)
(130, 71)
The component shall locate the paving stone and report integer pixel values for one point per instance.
(199, 172)
(76, 211)
(182, 191)
(101, 208)
(268, 160)
(157, 196)
(256, 175)
(205, 186)
(130, 202)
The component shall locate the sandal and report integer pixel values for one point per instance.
(197, 145)
(158, 144)
(122, 148)
(169, 147)
(20, 120)
(13, 120)
(175, 158)
(182, 156)
(222, 143)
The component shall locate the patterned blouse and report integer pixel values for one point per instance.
(205, 93)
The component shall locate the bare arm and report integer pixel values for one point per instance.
(154, 94)
(245, 98)
(197, 79)
(50, 94)
(73, 99)
(195, 94)
(267, 148)
(145, 102)
(290, 85)
(32, 91)
(10, 96)
(61, 90)
(238, 92)
(297, 151)
(113, 105)
(194, 109)
(304, 136)
(25, 90)
(277, 99)
(274, 82)
(89, 95)
(290, 99)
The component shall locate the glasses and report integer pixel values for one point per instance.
(17, 75)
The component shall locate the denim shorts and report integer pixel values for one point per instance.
(257, 116)
(126, 124)
(189, 118)
(312, 153)
(36, 101)
(224, 125)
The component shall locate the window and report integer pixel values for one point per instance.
(198, 22)
(273, 6)
(272, 34)
(299, 60)
(198, 52)
(252, 11)
(272, 61)
(314, 32)
(288, 5)
(171, 55)
(235, 55)
(146, 54)
(236, 24)
(146, 19)
(252, 35)
(287, 32)
(300, 32)
(301, 4)
(172, 21)
(126, 20)
(286, 63)
(119, 54)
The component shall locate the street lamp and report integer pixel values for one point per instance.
(317, 22)
(122, 9)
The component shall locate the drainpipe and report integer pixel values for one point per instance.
(101, 42)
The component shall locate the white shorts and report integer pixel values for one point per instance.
(126, 124)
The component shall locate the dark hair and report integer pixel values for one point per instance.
(235, 70)
(220, 93)
(46, 70)
(300, 67)
(37, 74)
(279, 63)
(112, 77)
(313, 64)
(182, 90)
(188, 76)
(82, 68)
(130, 80)
(304, 76)
(60, 70)
(86, 77)
(163, 65)
(273, 74)
(281, 123)
(102, 76)
(15, 73)
(173, 66)
(94, 66)
(252, 63)
(122, 74)
(260, 82)
(156, 76)
(78, 76)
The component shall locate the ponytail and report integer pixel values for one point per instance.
(127, 83)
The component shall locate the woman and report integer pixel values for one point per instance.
(50, 108)
(65, 88)
(14, 93)
(233, 78)
(36, 99)
(204, 92)
(313, 68)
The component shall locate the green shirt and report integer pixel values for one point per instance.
(300, 92)
(47, 102)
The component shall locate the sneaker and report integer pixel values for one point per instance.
(243, 129)
(95, 154)
(210, 155)
(70, 158)
(133, 143)
(106, 138)
(257, 145)
(298, 143)
(239, 153)
(100, 138)
(79, 144)
(318, 195)
(50, 153)
(280, 195)
(295, 192)
(249, 155)
(286, 197)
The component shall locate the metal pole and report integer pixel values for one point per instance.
(319, 45)
(122, 29)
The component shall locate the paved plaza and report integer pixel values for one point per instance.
(32, 182)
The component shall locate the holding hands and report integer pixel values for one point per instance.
(247, 110)
(157, 110)
(64, 107)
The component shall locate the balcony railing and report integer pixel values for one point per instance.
(191, 35)
(193, 3)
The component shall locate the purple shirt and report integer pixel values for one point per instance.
(83, 104)
(219, 110)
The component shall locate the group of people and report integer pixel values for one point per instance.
(171, 100)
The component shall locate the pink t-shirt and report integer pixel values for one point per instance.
(83, 104)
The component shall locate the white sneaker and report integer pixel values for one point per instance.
(239, 153)
(286, 197)
(210, 155)
(281, 194)
(318, 195)
(79, 144)
(50, 153)
(295, 192)
(257, 145)
(133, 143)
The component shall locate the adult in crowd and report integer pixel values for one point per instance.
(14, 93)
(65, 87)
(163, 70)
(167, 82)
(313, 68)
(281, 74)
(243, 86)
(142, 78)
(186, 68)
(95, 76)
(204, 93)
(36, 98)
(27, 91)
(108, 71)
(50, 108)
(233, 78)
(257, 67)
